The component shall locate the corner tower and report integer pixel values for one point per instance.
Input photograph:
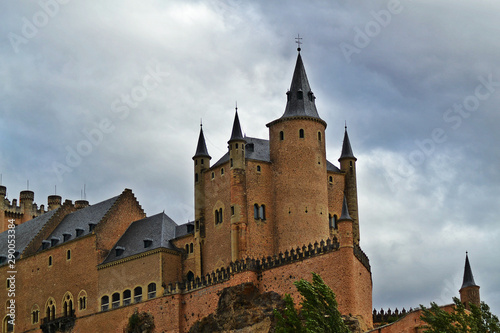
(469, 292)
(238, 190)
(298, 157)
(201, 163)
(348, 166)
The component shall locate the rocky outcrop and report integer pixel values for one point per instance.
(241, 309)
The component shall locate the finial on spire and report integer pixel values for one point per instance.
(297, 40)
(345, 125)
(236, 107)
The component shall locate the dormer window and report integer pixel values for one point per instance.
(311, 96)
(66, 237)
(3, 259)
(45, 244)
(300, 94)
(288, 96)
(79, 232)
(119, 250)
(147, 242)
(91, 227)
(54, 241)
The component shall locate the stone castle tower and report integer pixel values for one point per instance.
(469, 292)
(265, 197)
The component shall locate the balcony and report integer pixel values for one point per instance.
(58, 324)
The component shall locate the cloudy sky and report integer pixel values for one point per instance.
(109, 95)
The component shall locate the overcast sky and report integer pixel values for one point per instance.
(110, 95)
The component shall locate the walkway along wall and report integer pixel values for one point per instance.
(186, 302)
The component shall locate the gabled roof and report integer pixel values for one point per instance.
(201, 149)
(81, 219)
(157, 230)
(25, 232)
(331, 167)
(468, 277)
(255, 149)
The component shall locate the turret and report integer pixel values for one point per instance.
(298, 157)
(79, 204)
(348, 166)
(469, 292)
(201, 163)
(3, 207)
(345, 226)
(54, 202)
(238, 190)
(26, 199)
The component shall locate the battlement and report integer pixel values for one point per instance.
(389, 316)
(260, 265)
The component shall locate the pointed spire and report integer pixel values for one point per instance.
(201, 149)
(345, 211)
(236, 135)
(300, 98)
(346, 147)
(468, 277)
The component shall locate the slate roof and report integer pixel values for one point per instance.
(158, 229)
(201, 149)
(345, 212)
(468, 277)
(331, 167)
(300, 100)
(236, 133)
(81, 219)
(346, 147)
(25, 232)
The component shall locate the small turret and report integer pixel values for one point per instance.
(26, 199)
(345, 226)
(79, 204)
(237, 145)
(469, 292)
(348, 166)
(54, 201)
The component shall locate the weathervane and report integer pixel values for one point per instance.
(298, 38)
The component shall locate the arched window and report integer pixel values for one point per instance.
(256, 211)
(319, 136)
(282, 136)
(220, 215)
(7, 325)
(104, 303)
(262, 212)
(221, 171)
(35, 314)
(50, 309)
(151, 290)
(190, 276)
(68, 255)
(330, 179)
(82, 300)
(68, 305)
(258, 168)
(301, 133)
(213, 175)
(115, 300)
(137, 294)
(127, 297)
(216, 217)
(50, 260)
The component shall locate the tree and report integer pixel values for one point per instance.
(478, 320)
(140, 323)
(319, 313)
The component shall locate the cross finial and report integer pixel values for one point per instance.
(297, 40)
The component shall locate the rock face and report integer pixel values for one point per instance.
(241, 309)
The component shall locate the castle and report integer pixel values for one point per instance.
(268, 212)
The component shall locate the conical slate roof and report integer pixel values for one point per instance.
(346, 147)
(201, 149)
(345, 212)
(468, 277)
(300, 101)
(236, 135)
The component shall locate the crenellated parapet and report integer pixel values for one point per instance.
(265, 263)
(389, 316)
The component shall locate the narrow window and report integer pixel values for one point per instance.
(187, 248)
(220, 215)
(104, 303)
(301, 133)
(262, 212)
(282, 136)
(68, 255)
(190, 276)
(216, 216)
(115, 300)
(330, 179)
(127, 297)
(236, 146)
(256, 211)
(202, 161)
(152, 290)
(222, 171)
(34, 316)
(213, 175)
(232, 210)
(8, 285)
(350, 165)
(137, 294)
(50, 260)
(231, 162)
(335, 221)
(82, 303)
(196, 177)
(258, 168)
(319, 136)
(191, 250)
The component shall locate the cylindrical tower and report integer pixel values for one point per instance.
(26, 199)
(54, 201)
(298, 157)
